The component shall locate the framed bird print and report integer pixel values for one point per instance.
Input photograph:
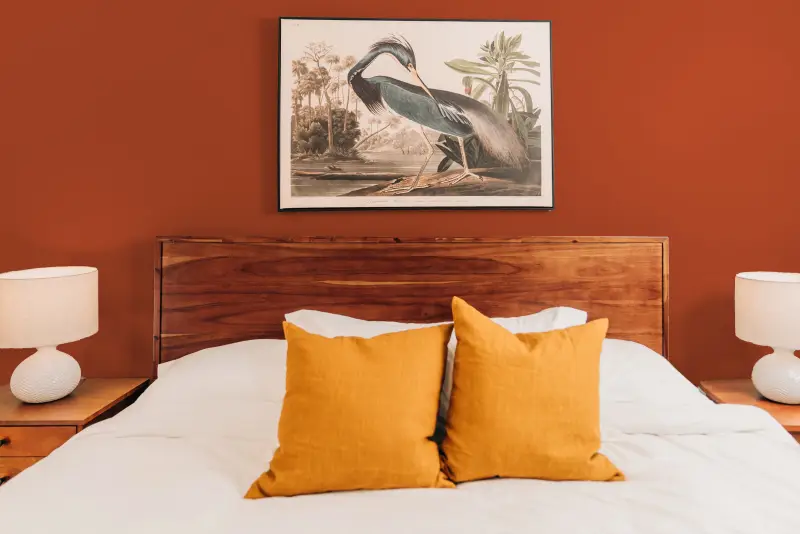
(388, 114)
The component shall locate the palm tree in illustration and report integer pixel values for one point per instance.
(317, 54)
(347, 64)
(330, 89)
(303, 89)
(299, 70)
(334, 63)
(310, 86)
(296, 101)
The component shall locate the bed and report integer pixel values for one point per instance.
(181, 457)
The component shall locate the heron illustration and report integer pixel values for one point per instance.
(452, 114)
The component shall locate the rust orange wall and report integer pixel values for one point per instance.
(123, 120)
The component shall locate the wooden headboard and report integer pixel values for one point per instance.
(211, 291)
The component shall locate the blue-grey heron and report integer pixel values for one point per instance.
(452, 114)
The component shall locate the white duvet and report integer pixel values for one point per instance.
(179, 460)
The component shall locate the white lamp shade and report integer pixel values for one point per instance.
(768, 309)
(48, 307)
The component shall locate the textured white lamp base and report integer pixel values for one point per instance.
(46, 375)
(777, 376)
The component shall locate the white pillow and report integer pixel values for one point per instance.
(543, 321)
(248, 370)
(232, 391)
(633, 373)
(332, 325)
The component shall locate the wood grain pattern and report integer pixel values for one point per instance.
(211, 291)
(11, 467)
(743, 392)
(33, 440)
(665, 296)
(91, 399)
(157, 258)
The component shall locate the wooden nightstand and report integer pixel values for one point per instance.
(29, 432)
(743, 392)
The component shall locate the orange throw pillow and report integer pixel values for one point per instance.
(525, 405)
(358, 413)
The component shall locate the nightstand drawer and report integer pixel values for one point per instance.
(11, 467)
(32, 440)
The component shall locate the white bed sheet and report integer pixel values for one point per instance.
(165, 468)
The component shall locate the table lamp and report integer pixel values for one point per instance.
(768, 313)
(43, 308)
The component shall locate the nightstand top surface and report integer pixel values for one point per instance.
(743, 392)
(91, 398)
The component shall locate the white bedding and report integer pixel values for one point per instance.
(175, 463)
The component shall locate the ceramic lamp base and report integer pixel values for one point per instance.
(45, 376)
(777, 376)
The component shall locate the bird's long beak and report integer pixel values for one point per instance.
(415, 74)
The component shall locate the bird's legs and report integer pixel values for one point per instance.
(464, 173)
(413, 186)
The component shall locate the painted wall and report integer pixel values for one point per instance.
(123, 120)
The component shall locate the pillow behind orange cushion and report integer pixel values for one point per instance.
(358, 413)
(525, 405)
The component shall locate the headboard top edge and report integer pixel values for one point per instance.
(399, 239)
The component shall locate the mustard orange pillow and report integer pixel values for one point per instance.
(358, 413)
(525, 405)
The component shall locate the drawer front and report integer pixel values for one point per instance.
(32, 440)
(11, 467)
